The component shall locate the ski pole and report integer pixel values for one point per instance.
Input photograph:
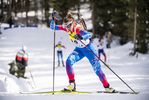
(54, 56)
(107, 66)
(31, 76)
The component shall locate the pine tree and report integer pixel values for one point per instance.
(143, 29)
(109, 16)
(27, 5)
(119, 18)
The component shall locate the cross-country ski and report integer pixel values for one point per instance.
(79, 92)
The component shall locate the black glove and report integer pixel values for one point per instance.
(78, 37)
(54, 14)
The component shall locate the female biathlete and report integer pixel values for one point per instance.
(77, 34)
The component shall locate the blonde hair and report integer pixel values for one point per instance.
(68, 18)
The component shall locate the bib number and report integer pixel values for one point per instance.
(79, 44)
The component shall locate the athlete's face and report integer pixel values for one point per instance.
(69, 26)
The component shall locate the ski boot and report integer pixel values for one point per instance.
(70, 87)
(109, 89)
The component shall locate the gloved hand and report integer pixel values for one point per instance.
(52, 25)
(54, 14)
(78, 37)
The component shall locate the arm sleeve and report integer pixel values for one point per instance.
(63, 46)
(83, 33)
(57, 27)
(25, 60)
(56, 46)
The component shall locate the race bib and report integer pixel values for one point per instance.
(79, 44)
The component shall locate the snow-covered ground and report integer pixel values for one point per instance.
(133, 70)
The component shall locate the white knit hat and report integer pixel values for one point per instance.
(24, 48)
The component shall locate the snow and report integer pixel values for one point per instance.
(39, 41)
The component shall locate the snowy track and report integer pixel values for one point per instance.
(134, 71)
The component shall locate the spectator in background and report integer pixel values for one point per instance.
(18, 66)
(10, 21)
(108, 39)
(21, 61)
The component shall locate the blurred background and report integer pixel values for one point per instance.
(128, 19)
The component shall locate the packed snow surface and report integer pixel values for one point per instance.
(134, 70)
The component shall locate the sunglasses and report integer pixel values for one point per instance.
(68, 25)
